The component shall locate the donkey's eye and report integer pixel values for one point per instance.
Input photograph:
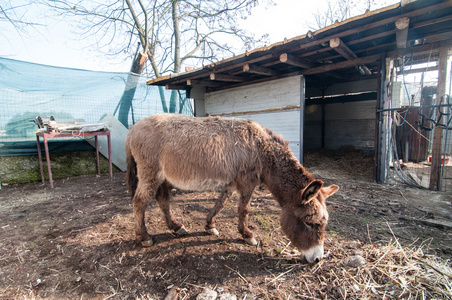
(309, 225)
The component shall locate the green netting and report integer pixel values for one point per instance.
(28, 90)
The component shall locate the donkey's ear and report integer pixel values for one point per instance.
(330, 190)
(311, 191)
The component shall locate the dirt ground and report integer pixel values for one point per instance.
(76, 241)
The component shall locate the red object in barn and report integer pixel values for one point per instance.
(442, 159)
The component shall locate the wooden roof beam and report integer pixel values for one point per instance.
(175, 87)
(247, 68)
(224, 77)
(402, 25)
(422, 49)
(418, 70)
(340, 47)
(342, 65)
(207, 83)
(157, 79)
(294, 61)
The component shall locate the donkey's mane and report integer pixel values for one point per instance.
(277, 138)
(294, 173)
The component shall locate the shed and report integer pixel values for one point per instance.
(331, 87)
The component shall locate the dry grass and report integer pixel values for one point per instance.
(390, 272)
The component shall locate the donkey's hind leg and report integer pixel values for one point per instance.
(140, 200)
(222, 201)
(163, 198)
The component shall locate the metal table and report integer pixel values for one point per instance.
(46, 136)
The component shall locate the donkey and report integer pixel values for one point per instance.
(227, 154)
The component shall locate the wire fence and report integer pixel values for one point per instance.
(29, 90)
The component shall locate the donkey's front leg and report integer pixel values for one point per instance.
(244, 210)
(163, 198)
(221, 202)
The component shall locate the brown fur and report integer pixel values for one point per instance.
(167, 150)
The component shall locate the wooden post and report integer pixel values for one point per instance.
(302, 120)
(435, 173)
(323, 118)
(381, 155)
(402, 26)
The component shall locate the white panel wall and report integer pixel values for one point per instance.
(254, 102)
(261, 96)
(285, 123)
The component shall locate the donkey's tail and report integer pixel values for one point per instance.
(131, 173)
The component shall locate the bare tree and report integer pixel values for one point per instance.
(340, 10)
(172, 33)
(15, 14)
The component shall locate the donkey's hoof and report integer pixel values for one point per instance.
(147, 243)
(182, 231)
(251, 241)
(213, 231)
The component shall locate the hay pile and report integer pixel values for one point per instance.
(346, 162)
(357, 271)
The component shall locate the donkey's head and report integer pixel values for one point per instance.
(304, 220)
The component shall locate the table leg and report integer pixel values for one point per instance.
(46, 147)
(109, 154)
(40, 158)
(97, 154)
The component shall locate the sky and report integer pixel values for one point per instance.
(56, 44)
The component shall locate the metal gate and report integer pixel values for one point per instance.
(409, 132)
